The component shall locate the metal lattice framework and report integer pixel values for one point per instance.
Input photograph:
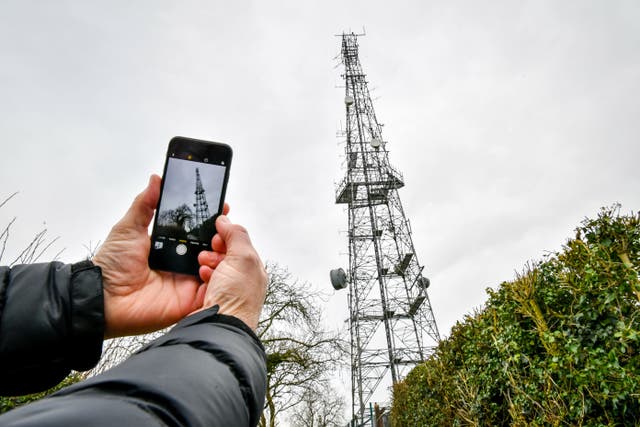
(392, 326)
(202, 208)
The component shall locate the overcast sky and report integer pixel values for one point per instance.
(510, 120)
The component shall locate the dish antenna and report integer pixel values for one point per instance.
(338, 279)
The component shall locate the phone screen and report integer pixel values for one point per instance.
(190, 215)
(192, 198)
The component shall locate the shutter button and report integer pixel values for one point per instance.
(181, 249)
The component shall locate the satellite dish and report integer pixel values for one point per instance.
(423, 282)
(338, 279)
(375, 142)
(348, 100)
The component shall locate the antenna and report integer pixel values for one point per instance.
(391, 322)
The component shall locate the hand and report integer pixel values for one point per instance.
(235, 277)
(136, 298)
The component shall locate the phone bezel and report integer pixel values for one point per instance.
(195, 150)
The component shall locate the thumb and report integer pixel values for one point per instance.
(235, 237)
(141, 210)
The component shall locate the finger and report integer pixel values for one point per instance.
(141, 211)
(210, 259)
(235, 236)
(226, 209)
(217, 244)
(205, 275)
(205, 258)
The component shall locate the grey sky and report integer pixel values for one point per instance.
(510, 120)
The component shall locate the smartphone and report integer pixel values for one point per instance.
(194, 183)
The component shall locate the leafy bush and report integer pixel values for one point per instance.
(560, 345)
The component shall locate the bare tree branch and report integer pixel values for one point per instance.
(5, 236)
(300, 352)
(7, 199)
(34, 250)
(320, 407)
(92, 249)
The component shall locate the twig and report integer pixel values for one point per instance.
(56, 257)
(27, 253)
(5, 236)
(44, 249)
(7, 199)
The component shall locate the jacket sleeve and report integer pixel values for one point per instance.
(51, 321)
(210, 370)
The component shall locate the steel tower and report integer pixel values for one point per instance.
(391, 323)
(202, 208)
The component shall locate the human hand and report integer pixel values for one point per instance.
(136, 298)
(234, 275)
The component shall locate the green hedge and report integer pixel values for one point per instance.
(557, 346)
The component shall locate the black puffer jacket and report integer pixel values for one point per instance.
(207, 371)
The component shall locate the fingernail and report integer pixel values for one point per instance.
(223, 218)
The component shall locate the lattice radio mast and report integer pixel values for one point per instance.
(391, 323)
(202, 208)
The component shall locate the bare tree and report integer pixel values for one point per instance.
(320, 407)
(34, 250)
(300, 351)
(181, 216)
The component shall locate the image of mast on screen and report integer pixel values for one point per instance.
(204, 223)
(181, 217)
(202, 208)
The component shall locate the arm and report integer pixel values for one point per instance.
(51, 321)
(209, 370)
(53, 317)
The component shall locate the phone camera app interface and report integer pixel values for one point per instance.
(190, 201)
